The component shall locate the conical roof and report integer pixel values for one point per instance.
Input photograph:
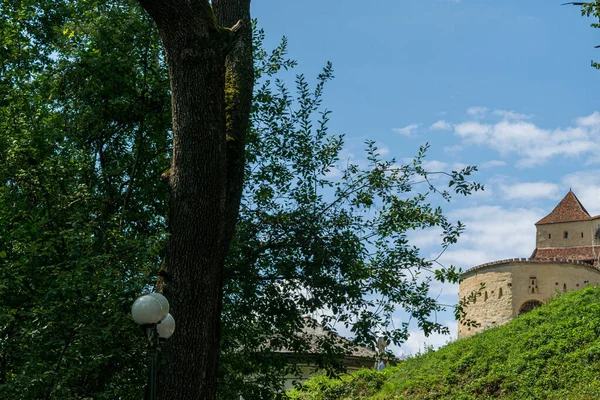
(568, 210)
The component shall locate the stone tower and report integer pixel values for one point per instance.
(565, 258)
(568, 232)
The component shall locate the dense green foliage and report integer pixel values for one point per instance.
(552, 352)
(83, 122)
(85, 135)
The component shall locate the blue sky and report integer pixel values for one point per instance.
(504, 85)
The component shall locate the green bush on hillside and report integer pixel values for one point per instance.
(552, 352)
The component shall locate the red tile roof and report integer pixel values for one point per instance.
(569, 209)
(581, 253)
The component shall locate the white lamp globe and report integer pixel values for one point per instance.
(166, 327)
(163, 302)
(147, 310)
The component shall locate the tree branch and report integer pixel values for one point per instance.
(239, 84)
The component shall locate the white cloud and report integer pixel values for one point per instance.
(492, 163)
(417, 341)
(453, 149)
(483, 195)
(440, 125)
(435, 166)
(533, 144)
(431, 237)
(407, 130)
(466, 258)
(334, 173)
(530, 190)
(492, 233)
(477, 112)
(383, 151)
(507, 114)
(472, 131)
(590, 120)
(439, 166)
(447, 290)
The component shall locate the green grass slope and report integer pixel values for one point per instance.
(552, 352)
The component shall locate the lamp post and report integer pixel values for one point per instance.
(382, 343)
(151, 312)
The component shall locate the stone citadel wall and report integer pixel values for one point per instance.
(510, 284)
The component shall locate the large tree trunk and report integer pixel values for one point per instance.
(209, 129)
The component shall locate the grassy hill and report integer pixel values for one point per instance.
(552, 352)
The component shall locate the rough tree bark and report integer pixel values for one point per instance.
(211, 77)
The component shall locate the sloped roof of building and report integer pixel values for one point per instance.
(314, 331)
(568, 210)
(581, 253)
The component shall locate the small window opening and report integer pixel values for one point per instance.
(565, 235)
(564, 287)
(485, 297)
(549, 236)
(533, 285)
(581, 234)
(500, 293)
(577, 285)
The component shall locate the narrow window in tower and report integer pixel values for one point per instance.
(581, 234)
(564, 287)
(549, 236)
(500, 293)
(486, 297)
(565, 235)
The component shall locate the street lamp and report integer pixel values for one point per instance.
(151, 312)
(382, 343)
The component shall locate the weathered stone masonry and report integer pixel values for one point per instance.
(517, 285)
